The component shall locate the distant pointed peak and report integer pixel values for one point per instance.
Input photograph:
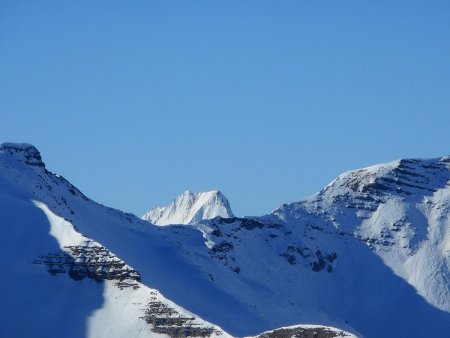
(23, 152)
(217, 192)
(189, 207)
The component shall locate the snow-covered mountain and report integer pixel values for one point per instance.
(57, 281)
(368, 254)
(400, 210)
(190, 208)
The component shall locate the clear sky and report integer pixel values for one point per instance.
(137, 101)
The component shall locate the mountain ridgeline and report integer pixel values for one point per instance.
(368, 254)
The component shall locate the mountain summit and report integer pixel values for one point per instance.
(22, 152)
(190, 208)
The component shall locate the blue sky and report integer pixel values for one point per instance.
(137, 101)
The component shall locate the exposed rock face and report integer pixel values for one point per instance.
(230, 235)
(91, 260)
(166, 320)
(190, 208)
(305, 332)
(24, 152)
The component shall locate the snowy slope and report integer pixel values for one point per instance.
(400, 210)
(368, 254)
(55, 281)
(189, 208)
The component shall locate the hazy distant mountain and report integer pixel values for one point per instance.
(190, 208)
(368, 254)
